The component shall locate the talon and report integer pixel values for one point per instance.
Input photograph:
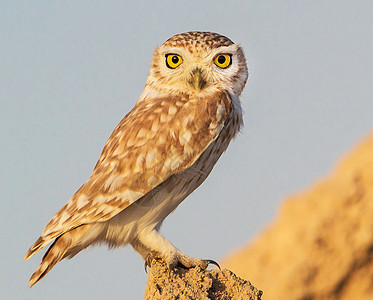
(169, 270)
(146, 264)
(148, 260)
(212, 262)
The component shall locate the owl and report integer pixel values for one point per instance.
(160, 152)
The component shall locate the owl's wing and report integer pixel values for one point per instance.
(158, 138)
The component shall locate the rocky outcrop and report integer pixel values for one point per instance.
(196, 284)
(321, 244)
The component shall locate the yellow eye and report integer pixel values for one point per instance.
(173, 60)
(223, 60)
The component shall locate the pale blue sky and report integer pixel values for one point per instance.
(70, 70)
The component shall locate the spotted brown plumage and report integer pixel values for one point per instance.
(161, 151)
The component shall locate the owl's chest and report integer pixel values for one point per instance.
(179, 186)
(175, 189)
(212, 154)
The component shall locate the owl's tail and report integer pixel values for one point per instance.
(37, 246)
(63, 246)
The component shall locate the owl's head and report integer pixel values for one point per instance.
(198, 63)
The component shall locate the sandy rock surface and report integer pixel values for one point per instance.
(197, 284)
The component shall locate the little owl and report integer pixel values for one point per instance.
(161, 151)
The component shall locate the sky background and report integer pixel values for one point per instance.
(70, 71)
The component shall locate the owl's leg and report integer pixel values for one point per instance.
(161, 247)
(146, 254)
(140, 248)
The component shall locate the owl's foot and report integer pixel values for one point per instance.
(188, 262)
(163, 249)
(149, 258)
(180, 261)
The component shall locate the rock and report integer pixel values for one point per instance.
(321, 244)
(196, 283)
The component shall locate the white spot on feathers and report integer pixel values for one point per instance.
(82, 201)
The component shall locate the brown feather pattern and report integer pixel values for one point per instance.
(168, 142)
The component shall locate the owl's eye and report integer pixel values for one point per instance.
(223, 60)
(173, 60)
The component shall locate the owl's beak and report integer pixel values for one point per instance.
(197, 80)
